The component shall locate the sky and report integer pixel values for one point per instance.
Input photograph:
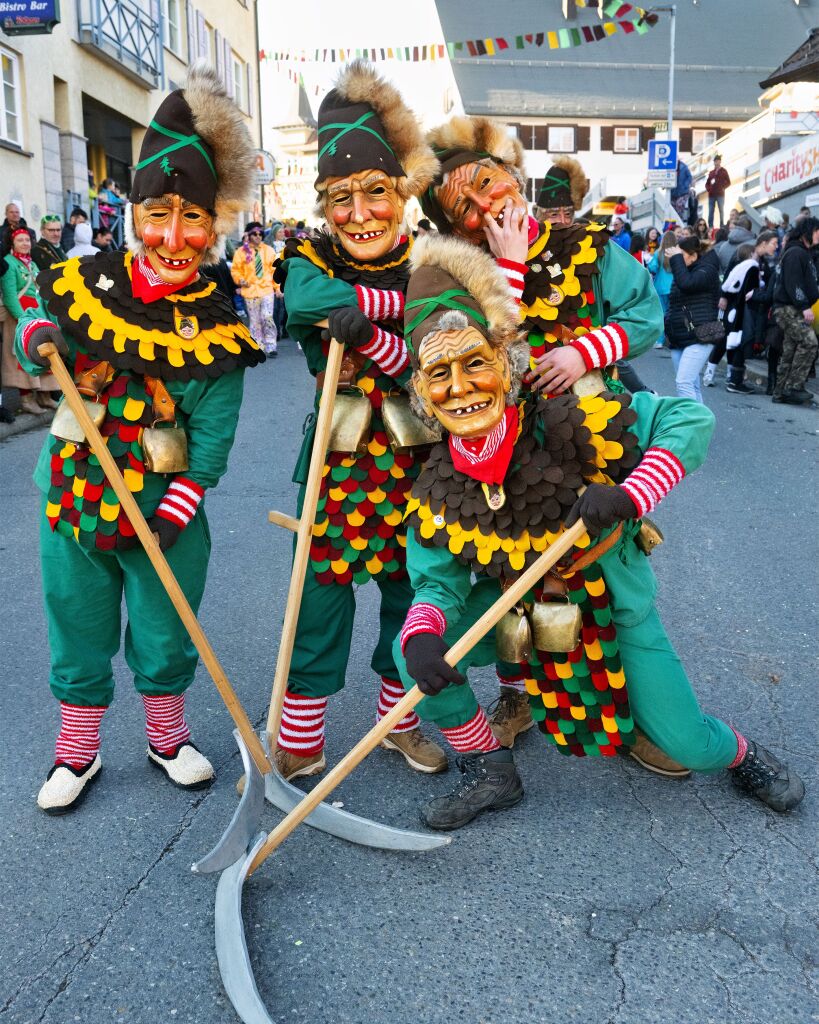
(302, 24)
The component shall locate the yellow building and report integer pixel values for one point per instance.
(78, 100)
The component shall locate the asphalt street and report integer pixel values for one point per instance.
(608, 895)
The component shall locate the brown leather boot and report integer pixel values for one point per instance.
(45, 401)
(651, 757)
(420, 753)
(511, 716)
(29, 404)
(293, 766)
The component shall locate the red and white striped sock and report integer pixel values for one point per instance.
(78, 741)
(165, 723)
(474, 735)
(391, 693)
(517, 683)
(302, 728)
(742, 749)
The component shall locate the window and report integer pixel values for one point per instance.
(172, 15)
(238, 83)
(626, 140)
(10, 107)
(561, 138)
(702, 138)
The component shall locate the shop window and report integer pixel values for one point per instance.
(10, 107)
(626, 140)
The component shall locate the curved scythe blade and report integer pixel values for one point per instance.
(348, 826)
(231, 945)
(245, 822)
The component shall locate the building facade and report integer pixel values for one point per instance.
(78, 100)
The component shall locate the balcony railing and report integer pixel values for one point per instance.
(124, 34)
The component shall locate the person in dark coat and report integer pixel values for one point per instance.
(692, 302)
(48, 250)
(716, 183)
(796, 291)
(12, 222)
(77, 216)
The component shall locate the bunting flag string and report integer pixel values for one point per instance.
(627, 19)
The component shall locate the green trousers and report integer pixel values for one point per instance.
(662, 702)
(83, 593)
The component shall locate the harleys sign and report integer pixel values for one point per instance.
(789, 169)
(29, 17)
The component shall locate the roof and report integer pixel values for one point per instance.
(801, 66)
(718, 62)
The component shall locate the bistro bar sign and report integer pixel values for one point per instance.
(29, 17)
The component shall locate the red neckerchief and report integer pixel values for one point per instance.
(487, 458)
(23, 258)
(148, 286)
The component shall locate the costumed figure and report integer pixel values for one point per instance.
(511, 475)
(160, 356)
(372, 158)
(585, 303)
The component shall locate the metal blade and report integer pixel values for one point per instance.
(231, 945)
(246, 819)
(348, 826)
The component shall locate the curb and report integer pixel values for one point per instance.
(23, 423)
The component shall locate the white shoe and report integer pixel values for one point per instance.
(187, 768)
(708, 375)
(65, 787)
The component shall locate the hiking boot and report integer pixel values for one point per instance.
(293, 766)
(66, 787)
(801, 396)
(420, 753)
(187, 767)
(651, 757)
(764, 776)
(708, 375)
(509, 716)
(489, 782)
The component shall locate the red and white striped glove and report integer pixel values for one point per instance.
(514, 273)
(379, 303)
(181, 501)
(36, 333)
(422, 618)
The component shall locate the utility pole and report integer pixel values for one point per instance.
(650, 16)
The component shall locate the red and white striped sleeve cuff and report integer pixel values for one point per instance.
(602, 346)
(514, 274)
(422, 618)
(388, 350)
(30, 328)
(380, 304)
(657, 472)
(181, 501)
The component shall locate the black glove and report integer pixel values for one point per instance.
(600, 506)
(349, 326)
(424, 654)
(166, 531)
(42, 334)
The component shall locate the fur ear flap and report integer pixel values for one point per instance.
(481, 135)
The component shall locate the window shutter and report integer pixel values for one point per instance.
(686, 139)
(582, 137)
(219, 62)
(228, 67)
(607, 138)
(646, 135)
(190, 19)
(201, 35)
(250, 92)
(541, 137)
(770, 145)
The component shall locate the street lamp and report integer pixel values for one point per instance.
(650, 17)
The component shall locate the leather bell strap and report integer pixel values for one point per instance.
(593, 553)
(91, 382)
(164, 407)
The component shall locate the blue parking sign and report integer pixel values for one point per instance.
(662, 155)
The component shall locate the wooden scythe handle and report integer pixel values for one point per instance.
(459, 649)
(158, 560)
(304, 533)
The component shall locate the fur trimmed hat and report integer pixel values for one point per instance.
(565, 184)
(363, 124)
(198, 146)
(451, 280)
(464, 140)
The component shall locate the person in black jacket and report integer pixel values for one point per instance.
(796, 289)
(692, 302)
